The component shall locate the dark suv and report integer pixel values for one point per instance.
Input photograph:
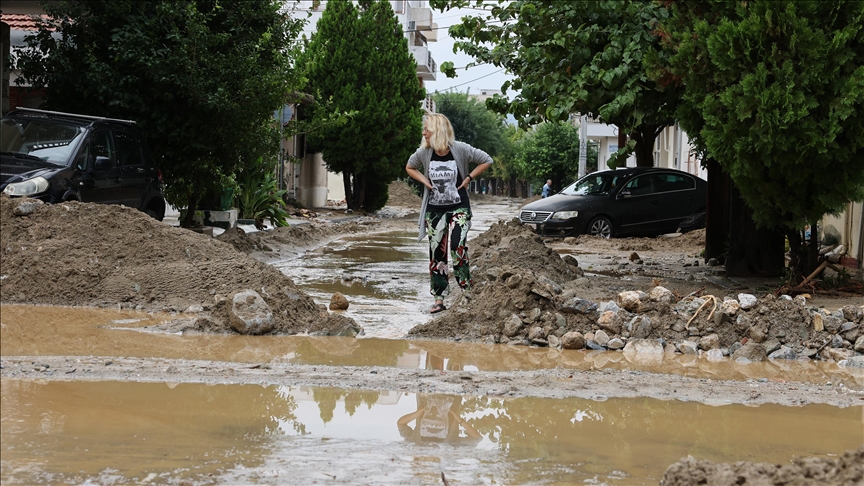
(58, 157)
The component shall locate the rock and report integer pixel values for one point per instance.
(852, 313)
(714, 355)
(859, 344)
(639, 327)
(645, 347)
(554, 341)
(536, 333)
(250, 314)
(513, 281)
(838, 354)
(594, 345)
(784, 352)
(629, 300)
(661, 294)
(634, 256)
(756, 334)
(713, 262)
(338, 302)
(855, 362)
(751, 352)
(735, 346)
(601, 337)
(542, 291)
(833, 324)
(573, 340)
(747, 301)
(578, 306)
(688, 307)
(729, 307)
(615, 344)
(609, 306)
(800, 300)
(570, 260)
(26, 206)
(771, 345)
(818, 324)
(610, 321)
(512, 326)
(687, 347)
(711, 341)
(533, 314)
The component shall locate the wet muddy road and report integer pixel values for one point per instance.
(96, 396)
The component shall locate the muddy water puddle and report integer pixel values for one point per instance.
(383, 276)
(163, 433)
(67, 331)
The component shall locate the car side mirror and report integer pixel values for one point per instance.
(103, 163)
(624, 193)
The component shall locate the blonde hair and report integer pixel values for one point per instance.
(442, 132)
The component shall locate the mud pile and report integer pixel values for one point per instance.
(105, 255)
(847, 469)
(525, 293)
(296, 237)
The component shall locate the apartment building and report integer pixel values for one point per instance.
(310, 182)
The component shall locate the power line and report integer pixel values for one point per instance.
(475, 79)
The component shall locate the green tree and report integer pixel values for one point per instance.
(358, 61)
(774, 91)
(201, 78)
(571, 57)
(550, 151)
(472, 122)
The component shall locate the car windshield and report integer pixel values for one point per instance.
(49, 140)
(593, 184)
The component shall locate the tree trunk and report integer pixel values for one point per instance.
(191, 207)
(346, 184)
(644, 137)
(360, 190)
(717, 217)
(753, 252)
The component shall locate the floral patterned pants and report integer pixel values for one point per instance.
(448, 233)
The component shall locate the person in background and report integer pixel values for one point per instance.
(547, 189)
(443, 166)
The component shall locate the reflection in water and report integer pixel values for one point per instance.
(119, 433)
(438, 419)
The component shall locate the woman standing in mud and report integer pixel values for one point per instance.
(443, 166)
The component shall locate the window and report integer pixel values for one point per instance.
(128, 150)
(101, 145)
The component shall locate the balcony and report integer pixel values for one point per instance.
(420, 20)
(428, 104)
(426, 67)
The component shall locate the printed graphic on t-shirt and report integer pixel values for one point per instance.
(443, 176)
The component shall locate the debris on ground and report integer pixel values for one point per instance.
(846, 469)
(524, 293)
(87, 254)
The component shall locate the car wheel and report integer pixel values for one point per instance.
(600, 226)
(152, 214)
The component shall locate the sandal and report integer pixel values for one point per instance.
(438, 307)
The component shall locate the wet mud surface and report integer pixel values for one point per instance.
(168, 296)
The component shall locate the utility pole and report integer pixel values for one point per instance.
(583, 145)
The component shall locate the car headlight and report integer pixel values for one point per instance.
(36, 185)
(564, 215)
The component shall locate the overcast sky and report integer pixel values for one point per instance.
(474, 78)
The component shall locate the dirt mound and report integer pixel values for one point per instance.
(847, 469)
(107, 255)
(303, 236)
(526, 293)
(401, 196)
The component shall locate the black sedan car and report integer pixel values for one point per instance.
(59, 157)
(638, 201)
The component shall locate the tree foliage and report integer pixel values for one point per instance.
(201, 78)
(570, 57)
(472, 122)
(774, 91)
(550, 151)
(358, 61)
